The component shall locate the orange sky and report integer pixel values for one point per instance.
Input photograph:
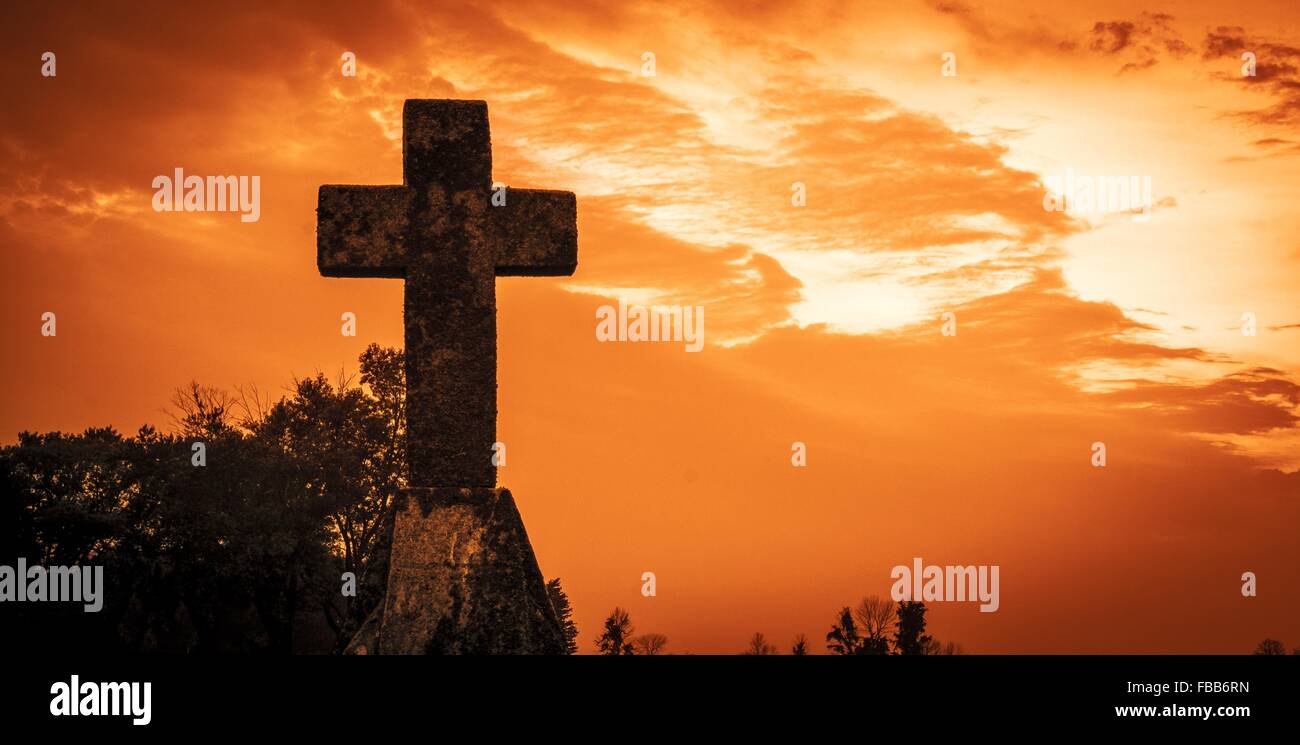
(924, 196)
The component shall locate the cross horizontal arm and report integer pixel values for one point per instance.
(361, 230)
(537, 233)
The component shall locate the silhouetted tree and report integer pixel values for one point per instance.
(800, 647)
(1270, 647)
(910, 637)
(875, 617)
(843, 637)
(650, 644)
(563, 612)
(342, 446)
(202, 411)
(758, 645)
(935, 647)
(615, 638)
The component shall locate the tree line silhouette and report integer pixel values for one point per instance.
(244, 545)
(875, 627)
(1270, 647)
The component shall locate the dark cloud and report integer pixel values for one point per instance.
(1143, 40)
(1277, 72)
(1253, 401)
(1111, 37)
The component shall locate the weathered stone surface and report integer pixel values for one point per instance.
(539, 233)
(463, 579)
(362, 230)
(446, 142)
(441, 232)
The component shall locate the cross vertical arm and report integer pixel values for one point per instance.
(446, 144)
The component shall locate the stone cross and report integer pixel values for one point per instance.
(441, 232)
